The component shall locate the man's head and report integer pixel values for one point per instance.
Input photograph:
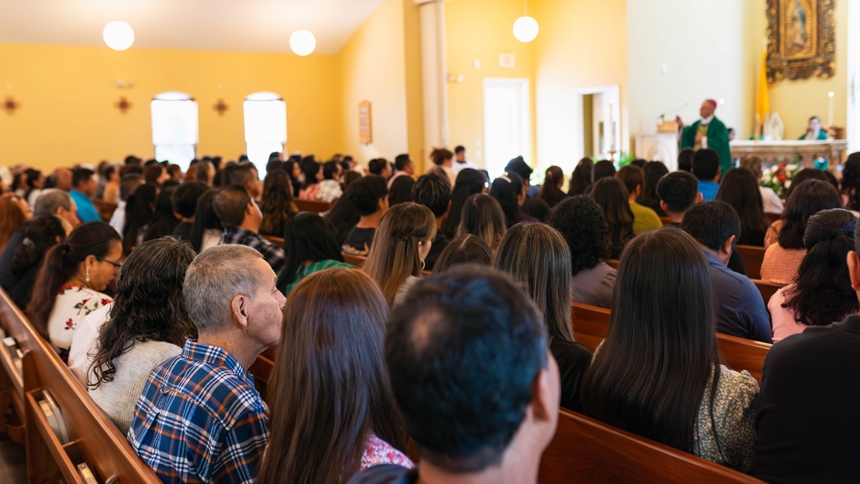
(404, 163)
(715, 225)
(235, 207)
(469, 366)
(230, 290)
(379, 166)
(246, 176)
(332, 170)
(54, 201)
(678, 191)
(706, 165)
(814, 124)
(369, 195)
(434, 192)
(185, 197)
(708, 108)
(63, 179)
(460, 154)
(83, 181)
(518, 165)
(685, 160)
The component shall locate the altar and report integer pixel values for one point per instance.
(774, 152)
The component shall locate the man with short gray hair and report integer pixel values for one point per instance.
(57, 202)
(200, 417)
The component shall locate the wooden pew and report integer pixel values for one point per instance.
(752, 257)
(104, 208)
(312, 206)
(773, 217)
(590, 325)
(356, 260)
(586, 450)
(613, 263)
(92, 437)
(767, 289)
(275, 240)
(665, 220)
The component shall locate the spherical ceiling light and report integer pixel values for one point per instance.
(526, 29)
(303, 42)
(118, 35)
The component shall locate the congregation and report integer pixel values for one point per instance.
(436, 309)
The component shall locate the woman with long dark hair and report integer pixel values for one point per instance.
(277, 203)
(653, 170)
(551, 192)
(782, 259)
(336, 413)
(469, 182)
(139, 211)
(402, 241)
(343, 215)
(850, 185)
(582, 177)
(35, 184)
(657, 373)
(465, 249)
(483, 217)
(147, 325)
(207, 228)
(821, 293)
(70, 282)
(509, 191)
(739, 188)
(613, 198)
(310, 246)
(42, 233)
(164, 220)
(313, 172)
(537, 256)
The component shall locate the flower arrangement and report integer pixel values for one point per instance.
(778, 177)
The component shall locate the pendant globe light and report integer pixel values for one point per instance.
(118, 35)
(526, 28)
(303, 42)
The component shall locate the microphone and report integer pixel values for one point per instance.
(662, 116)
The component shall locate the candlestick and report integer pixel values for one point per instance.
(611, 130)
(722, 104)
(830, 110)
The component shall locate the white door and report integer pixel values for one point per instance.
(507, 131)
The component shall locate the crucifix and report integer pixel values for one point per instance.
(123, 105)
(221, 107)
(10, 105)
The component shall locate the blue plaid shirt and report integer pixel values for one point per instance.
(273, 254)
(200, 419)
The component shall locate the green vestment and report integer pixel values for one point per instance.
(718, 140)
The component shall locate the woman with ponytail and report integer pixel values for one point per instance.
(551, 192)
(821, 293)
(70, 282)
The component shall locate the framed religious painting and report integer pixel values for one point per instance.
(801, 39)
(365, 123)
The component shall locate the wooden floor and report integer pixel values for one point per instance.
(13, 463)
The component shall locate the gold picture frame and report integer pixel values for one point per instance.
(365, 123)
(801, 39)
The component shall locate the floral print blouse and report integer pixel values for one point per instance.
(72, 304)
(379, 452)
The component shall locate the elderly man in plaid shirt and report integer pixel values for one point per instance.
(241, 219)
(200, 419)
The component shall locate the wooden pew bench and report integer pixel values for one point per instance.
(590, 325)
(89, 435)
(312, 206)
(752, 257)
(586, 450)
(105, 209)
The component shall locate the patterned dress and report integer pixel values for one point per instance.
(378, 452)
(71, 305)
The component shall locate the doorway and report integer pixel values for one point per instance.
(507, 127)
(598, 115)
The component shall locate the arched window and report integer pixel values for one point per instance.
(265, 126)
(174, 128)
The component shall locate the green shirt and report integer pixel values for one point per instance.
(644, 219)
(305, 271)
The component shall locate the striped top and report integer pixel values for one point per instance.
(200, 419)
(305, 271)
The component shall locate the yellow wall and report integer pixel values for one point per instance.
(414, 95)
(67, 96)
(796, 101)
(475, 31)
(373, 68)
(582, 44)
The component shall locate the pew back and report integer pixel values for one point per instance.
(312, 206)
(105, 209)
(587, 450)
(752, 257)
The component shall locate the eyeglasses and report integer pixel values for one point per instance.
(116, 265)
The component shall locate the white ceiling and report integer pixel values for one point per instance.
(225, 25)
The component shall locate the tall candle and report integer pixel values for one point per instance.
(830, 110)
(611, 130)
(722, 105)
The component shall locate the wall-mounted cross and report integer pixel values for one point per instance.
(10, 105)
(221, 107)
(123, 105)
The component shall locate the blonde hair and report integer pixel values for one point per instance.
(394, 253)
(754, 164)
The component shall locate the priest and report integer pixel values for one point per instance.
(708, 132)
(814, 131)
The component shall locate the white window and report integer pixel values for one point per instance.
(174, 128)
(265, 127)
